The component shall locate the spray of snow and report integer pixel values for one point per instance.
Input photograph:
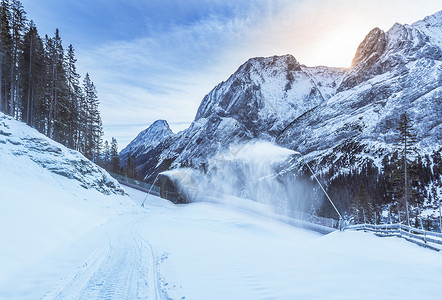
(254, 176)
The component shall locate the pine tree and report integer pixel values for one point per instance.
(363, 206)
(74, 96)
(59, 92)
(25, 71)
(5, 53)
(437, 202)
(114, 159)
(130, 169)
(106, 155)
(17, 23)
(32, 71)
(356, 210)
(406, 150)
(94, 127)
(82, 123)
(126, 166)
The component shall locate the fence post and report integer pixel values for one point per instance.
(399, 225)
(440, 217)
(389, 208)
(365, 221)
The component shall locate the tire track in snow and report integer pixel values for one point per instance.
(122, 268)
(155, 290)
(70, 285)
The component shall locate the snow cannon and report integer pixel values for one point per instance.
(177, 186)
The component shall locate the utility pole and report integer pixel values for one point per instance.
(319, 183)
(328, 197)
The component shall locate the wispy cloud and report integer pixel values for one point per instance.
(166, 74)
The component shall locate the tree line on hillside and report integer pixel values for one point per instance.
(40, 85)
(407, 183)
(110, 160)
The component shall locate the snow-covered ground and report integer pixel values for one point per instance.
(211, 252)
(104, 247)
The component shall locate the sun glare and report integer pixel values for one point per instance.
(335, 49)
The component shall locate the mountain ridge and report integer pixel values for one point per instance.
(337, 118)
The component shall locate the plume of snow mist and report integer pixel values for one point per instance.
(253, 175)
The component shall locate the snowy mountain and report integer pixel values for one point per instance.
(350, 138)
(147, 140)
(393, 72)
(342, 119)
(257, 101)
(148, 143)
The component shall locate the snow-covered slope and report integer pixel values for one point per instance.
(19, 141)
(234, 254)
(171, 252)
(49, 196)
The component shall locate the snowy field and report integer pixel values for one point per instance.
(71, 243)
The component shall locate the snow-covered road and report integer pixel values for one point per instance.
(113, 261)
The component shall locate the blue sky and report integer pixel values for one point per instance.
(156, 59)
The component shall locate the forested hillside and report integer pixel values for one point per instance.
(40, 85)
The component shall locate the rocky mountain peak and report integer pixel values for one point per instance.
(381, 52)
(371, 47)
(159, 125)
(158, 130)
(432, 27)
(147, 139)
(276, 88)
(287, 61)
